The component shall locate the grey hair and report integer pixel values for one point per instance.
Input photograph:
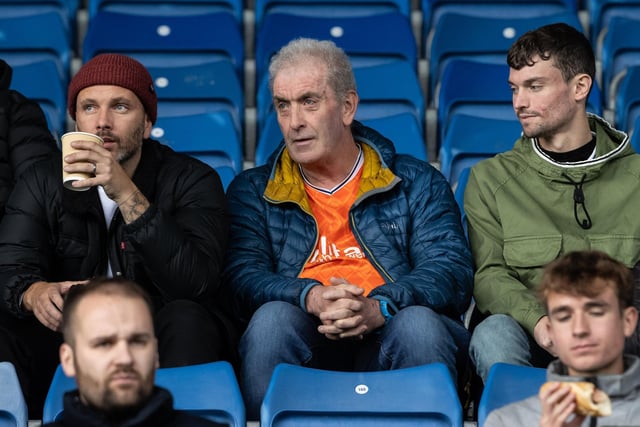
(339, 70)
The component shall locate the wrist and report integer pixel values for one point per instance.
(386, 310)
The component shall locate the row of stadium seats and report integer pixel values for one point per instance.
(200, 56)
(420, 396)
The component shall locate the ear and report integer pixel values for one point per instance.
(349, 107)
(67, 360)
(629, 320)
(147, 126)
(583, 84)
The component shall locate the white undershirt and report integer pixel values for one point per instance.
(109, 209)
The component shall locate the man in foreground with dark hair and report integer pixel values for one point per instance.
(111, 349)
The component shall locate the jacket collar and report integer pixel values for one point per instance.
(610, 143)
(82, 202)
(614, 385)
(286, 183)
(156, 411)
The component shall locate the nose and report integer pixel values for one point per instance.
(123, 353)
(519, 100)
(580, 325)
(296, 118)
(103, 119)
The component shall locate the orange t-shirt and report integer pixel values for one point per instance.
(338, 253)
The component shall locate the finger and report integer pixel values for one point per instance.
(349, 322)
(354, 332)
(334, 315)
(329, 329)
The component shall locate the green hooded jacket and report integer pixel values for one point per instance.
(525, 210)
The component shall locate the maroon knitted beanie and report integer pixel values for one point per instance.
(117, 70)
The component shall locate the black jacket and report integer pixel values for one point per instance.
(174, 250)
(157, 412)
(24, 136)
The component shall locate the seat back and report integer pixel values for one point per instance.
(213, 83)
(13, 408)
(458, 193)
(620, 50)
(474, 138)
(208, 136)
(167, 7)
(204, 37)
(626, 99)
(486, 38)
(507, 384)
(36, 35)
(38, 79)
(601, 12)
(432, 10)
(392, 39)
(420, 396)
(209, 390)
(330, 7)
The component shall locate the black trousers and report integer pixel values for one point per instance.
(187, 333)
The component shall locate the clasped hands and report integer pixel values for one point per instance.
(344, 311)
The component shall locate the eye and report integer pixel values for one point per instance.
(309, 101)
(88, 108)
(596, 312)
(121, 107)
(535, 88)
(282, 106)
(104, 344)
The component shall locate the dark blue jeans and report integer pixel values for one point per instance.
(280, 332)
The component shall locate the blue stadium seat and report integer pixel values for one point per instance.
(635, 136)
(432, 10)
(167, 7)
(491, 97)
(330, 7)
(484, 38)
(601, 11)
(626, 99)
(213, 84)
(209, 390)
(392, 39)
(473, 138)
(506, 384)
(402, 129)
(207, 136)
(39, 80)
(173, 38)
(458, 193)
(35, 35)
(620, 49)
(488, 96)
(13, 408)
(420, 396)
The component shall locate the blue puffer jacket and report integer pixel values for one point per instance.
(405, 219)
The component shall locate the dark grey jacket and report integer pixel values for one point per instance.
(24, 136)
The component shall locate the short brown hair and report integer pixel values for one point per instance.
(101, 285)
(576, 273)
(569, 50)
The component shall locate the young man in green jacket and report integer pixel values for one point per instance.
(571, 182)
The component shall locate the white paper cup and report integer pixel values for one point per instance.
(66, 140)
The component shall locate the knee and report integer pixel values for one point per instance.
(493, 329)
(273, 323)
(414, 322)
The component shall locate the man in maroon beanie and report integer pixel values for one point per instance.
(149, 214)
